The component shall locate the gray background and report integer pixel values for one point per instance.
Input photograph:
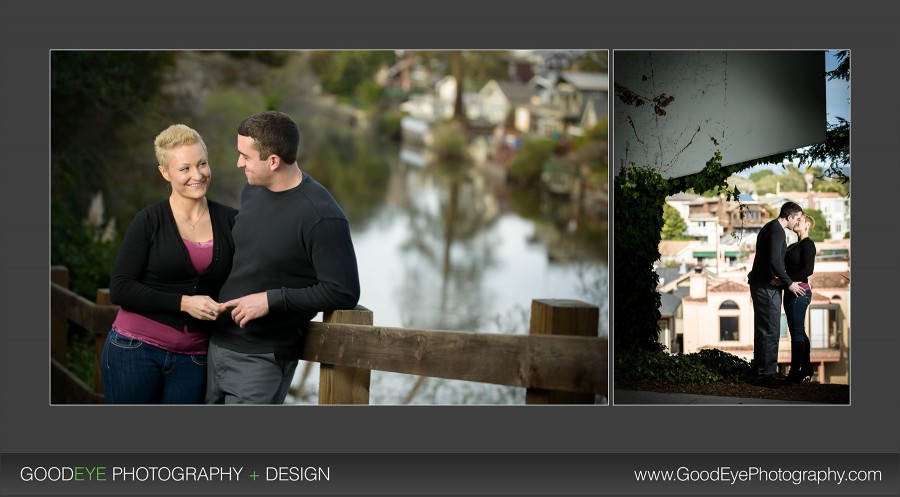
(30, 30)
(463, 474)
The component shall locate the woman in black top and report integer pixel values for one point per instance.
(173, 260)
(799, 261)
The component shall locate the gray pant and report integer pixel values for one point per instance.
(766, 329)
(240, 378)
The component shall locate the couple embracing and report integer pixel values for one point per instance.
(214, 301)
(779, 268)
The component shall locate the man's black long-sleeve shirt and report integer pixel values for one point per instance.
(295, 246)
(771, 245)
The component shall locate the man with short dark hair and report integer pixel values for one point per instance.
(293, 259)
(767, 278)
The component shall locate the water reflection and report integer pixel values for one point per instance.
(448, 250)
(451, 248)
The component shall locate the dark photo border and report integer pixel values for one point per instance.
(657, 69)
(28, 30)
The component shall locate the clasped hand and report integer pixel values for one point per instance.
(794, 288)
(247, 308)
(201, 307)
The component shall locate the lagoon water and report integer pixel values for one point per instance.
(460, 250)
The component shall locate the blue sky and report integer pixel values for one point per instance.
(837, 104)
(837, 92)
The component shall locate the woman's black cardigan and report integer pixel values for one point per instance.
(153, 268)
(800, 260)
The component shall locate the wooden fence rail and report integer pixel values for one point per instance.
(553, 368)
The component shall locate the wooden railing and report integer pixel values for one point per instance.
(552, 367)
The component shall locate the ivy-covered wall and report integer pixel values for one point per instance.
(639, 197)
(640, 194)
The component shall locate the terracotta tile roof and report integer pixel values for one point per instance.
(730, 286)
(818, 298)
(830, 280)
(672, 247)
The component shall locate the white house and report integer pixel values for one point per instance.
(717, 313)
(497, 99)
(595, 110)
(562, 99)
(835, 208)
(431, 107)
(681, 203)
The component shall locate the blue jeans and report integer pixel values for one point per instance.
(795, 312)
(138, 373)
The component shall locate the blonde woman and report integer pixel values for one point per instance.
(799, 262)
(173, 260)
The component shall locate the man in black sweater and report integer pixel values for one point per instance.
(293, 258)
(766, 279)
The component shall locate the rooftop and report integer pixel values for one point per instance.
(587, 81)
(830, 280)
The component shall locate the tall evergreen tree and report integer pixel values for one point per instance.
(836, 147)
(674, 225)
(819, 232)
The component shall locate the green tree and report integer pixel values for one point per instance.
(94, 95)
(529, 161)
(830, 187)
(267, 57)
(674, 225)
(472, 69)
(836, 147)
(592, 147)
(819, 232)
(346, 72)
(787, 182)
(476, 67)
(758, 175)
(450, 143)
(822, 183)
(598, 132)
(481, 66)
(741, 183)
(593, 61)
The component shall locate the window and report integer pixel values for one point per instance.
(729, 321)
(728, 328)
(784, 326)
(818, 328)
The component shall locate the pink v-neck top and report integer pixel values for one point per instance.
(138, 327)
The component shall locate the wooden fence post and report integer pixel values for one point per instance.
(99, 340)
(59, 324)
(344, 384)
(561, 317)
